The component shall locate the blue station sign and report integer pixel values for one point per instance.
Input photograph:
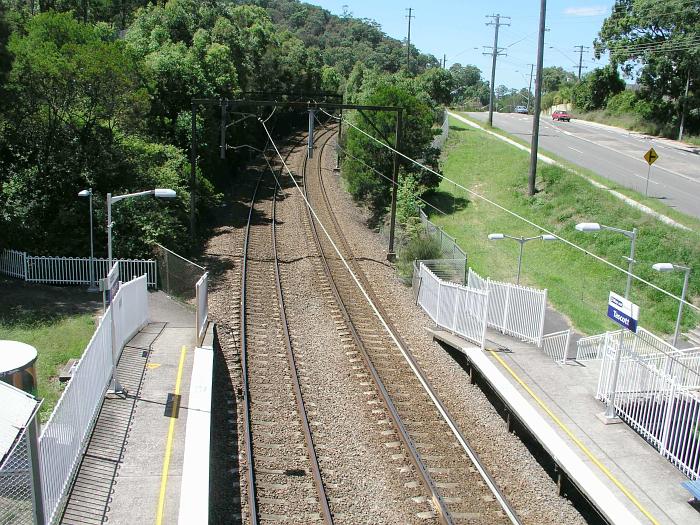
(623, 312)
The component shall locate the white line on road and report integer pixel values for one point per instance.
(575, 149)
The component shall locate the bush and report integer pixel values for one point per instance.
(622, 103)
(420, 247)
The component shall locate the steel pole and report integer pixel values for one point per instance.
(630, 267)
(680, 308)
(193, 173)
(395, 180)
(109, 230)
(93, 282)
(610, 408)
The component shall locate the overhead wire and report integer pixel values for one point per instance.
(518, 216)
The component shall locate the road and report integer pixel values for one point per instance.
(617, 155)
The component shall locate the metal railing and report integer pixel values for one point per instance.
(65, 434)
(457, 308)
(513, 309)
(202, 314)
(71, 270)
(556, 345)
(178, 275)
(449, 249)
(653, 403)
(16, 502)
(591, 347)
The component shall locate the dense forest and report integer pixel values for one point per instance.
(98, 94)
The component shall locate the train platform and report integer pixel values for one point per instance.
(147, 459)
(614, 465)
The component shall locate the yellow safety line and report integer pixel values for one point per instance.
(583, 447)
(169, 444)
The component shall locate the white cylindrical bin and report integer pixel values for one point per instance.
(18, 365)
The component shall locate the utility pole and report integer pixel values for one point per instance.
(529, 87)
(408, 47)
(580, 50)
(444, 61)
(193, 174)
(538, 101)
(685, 107)
(495, 21)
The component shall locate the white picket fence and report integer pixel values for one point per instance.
(64, 436)
(514, 310)
(654, 402)
(556, 345)
(71, 270)
(202, 314)
(457, 308)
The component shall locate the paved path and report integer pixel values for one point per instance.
(617, 155)
(132, 468)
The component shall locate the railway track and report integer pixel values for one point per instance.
(283, 479)
(459, 487)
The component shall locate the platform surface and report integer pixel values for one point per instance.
(132, 469)
(643, 481)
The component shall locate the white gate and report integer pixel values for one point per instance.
(514, 310)
(459, 309)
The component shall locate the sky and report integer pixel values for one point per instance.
(456, 28)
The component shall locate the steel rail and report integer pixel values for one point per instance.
(247, 422)
(473, 455)
(443, 514)
(301, 408)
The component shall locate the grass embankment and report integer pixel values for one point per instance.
(56, 341)
(578, 286)
(651, 202)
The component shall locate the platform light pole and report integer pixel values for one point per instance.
(160, 193)
(93, 282)
(609, 416)
(521, 241)
(670, 267)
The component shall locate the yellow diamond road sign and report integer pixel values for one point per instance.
(651, 156)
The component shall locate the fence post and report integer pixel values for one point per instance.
(26, 267)
(544, 312)
(454, 314)
(485, 319)
(506, 306)
(566, 345)
(668, 416)
(32, 438)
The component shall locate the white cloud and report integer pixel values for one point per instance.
(594, 10)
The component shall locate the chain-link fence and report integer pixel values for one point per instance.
(16, 485)
(178, 276)
(439, 140)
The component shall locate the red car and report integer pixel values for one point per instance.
(561, 115)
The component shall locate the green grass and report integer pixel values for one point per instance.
(578, 286)
(56, 341)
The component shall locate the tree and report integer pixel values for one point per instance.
(661, 38)
(438, 83)
(597, 87)
(554, 78)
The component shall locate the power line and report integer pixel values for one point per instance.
(518, 216)
(495, 51)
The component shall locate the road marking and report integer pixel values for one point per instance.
(580, 445)
(169, 444)
(575, 149)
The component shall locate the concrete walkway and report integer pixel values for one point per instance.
(131, 470)
(568, 392)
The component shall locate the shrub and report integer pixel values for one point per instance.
(420, 247)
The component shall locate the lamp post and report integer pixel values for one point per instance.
(594, 227)
(160, 193)
(93, 283)
(610, 416)
(669, 267)
(521, 241)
